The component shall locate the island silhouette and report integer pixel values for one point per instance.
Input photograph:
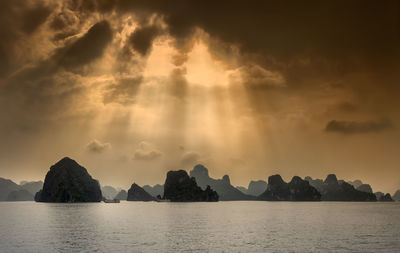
(69, 182)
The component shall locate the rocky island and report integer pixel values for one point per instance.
(296, 190)
(136, 193)
(385, 198)
(222, 186)
(179, 187)
(67, 181)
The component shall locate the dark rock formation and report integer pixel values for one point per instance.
(396, 195)
(122, 195)
(20, 195)
(109, 192)
(7, 186)
(222, 186)
(296, 190)
(136, 193)
(67, 181)
(379, 195)
(154, 190)
(179, 187)
(386, 198)
(333, 191)
(365, 188)
(256, 187)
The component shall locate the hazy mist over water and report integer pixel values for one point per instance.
(200, 227)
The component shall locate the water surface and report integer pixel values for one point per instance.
(247, 226)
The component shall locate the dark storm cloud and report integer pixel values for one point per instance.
(16, 19)
(37, 95)
(87, 48)
(307, 42)
(330, 28)
(142, 38)
(33, 18)
(358, 127)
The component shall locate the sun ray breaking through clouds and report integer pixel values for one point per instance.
(262, 95)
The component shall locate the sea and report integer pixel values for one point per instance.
(232, 226)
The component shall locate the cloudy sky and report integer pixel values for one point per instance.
(131, 89)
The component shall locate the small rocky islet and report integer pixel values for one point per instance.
(67, 181)
(136, 193)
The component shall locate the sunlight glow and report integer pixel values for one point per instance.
(203, 70)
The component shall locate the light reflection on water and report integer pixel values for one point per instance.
(205, 227)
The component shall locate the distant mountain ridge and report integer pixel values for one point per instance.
(154, 190)
(10, 191)
(122, 195)
(333, 189)
(109, 192)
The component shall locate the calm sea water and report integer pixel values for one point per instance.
(200, 227)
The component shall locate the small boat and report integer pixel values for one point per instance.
(111, 201)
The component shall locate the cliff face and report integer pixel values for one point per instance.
(136, 193)
(332, 190)
(296, 190)
(179, 187)
(67, 181)
(222, 186)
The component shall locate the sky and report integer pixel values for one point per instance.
(132, 89)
